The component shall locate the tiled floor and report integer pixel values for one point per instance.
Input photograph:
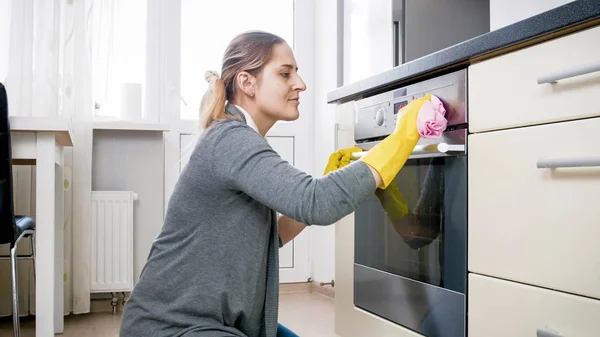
(307, 314)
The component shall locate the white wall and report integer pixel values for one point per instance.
(365, 54)
(133, 161)
(506, 12)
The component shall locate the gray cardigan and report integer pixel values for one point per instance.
(214, 268)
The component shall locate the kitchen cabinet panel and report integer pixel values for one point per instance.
(504, 91)
(499, 308)
(532, 224)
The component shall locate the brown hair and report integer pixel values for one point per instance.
(249, 52)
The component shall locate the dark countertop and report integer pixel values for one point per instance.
(560, 19)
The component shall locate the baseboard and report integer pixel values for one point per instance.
(307, 287)
(101, 303)
(325, 290)
(294, 288)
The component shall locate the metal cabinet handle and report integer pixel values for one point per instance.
(561, 75)
(421, 149)
(569, 162)
(544, 333)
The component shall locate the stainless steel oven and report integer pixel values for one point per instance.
(412, 270)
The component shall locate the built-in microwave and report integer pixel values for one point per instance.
(412, 270)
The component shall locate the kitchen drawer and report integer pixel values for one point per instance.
(538, 226)
(499, 308)
(504, 93)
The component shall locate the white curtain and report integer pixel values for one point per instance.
(46, 66)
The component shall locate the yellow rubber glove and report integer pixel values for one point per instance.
(392, 201)
(340, 158)
(388, 157)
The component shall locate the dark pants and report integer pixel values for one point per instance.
(284, 332)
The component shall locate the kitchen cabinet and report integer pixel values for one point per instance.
(533, 254)
(533, 224)
(504, 92)
(499, 308)
(534, 173)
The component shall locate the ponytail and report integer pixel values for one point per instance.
(212, 106)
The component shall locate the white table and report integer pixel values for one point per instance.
(40, 141)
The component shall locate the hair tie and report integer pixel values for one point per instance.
(211, 76)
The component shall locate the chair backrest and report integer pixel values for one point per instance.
(7, 218)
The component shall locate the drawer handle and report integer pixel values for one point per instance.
(544, 333)
(569, 162)
(561, 75)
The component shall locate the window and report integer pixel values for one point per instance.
(206, 29)
(119, 59)
(126, 63)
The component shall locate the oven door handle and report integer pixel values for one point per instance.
(424, 149)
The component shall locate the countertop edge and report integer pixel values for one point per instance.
(562, 20)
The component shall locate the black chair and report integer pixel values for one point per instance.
(12, 228)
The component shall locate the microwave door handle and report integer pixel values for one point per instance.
(423, 149)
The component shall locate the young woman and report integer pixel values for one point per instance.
(213, 269)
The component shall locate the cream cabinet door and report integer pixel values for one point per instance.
(499, 308)
(506, 92)
(534, 224)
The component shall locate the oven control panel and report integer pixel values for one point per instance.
(376, 116)
(379, 120)
(384, 113)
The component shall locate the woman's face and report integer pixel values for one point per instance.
(278, 86)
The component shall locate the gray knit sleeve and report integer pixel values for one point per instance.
(246, 162)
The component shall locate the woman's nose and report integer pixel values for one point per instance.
(299, 85)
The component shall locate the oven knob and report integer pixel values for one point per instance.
(379, 117)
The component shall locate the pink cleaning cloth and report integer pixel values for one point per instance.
(431, 122)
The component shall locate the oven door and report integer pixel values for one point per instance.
(412, 269)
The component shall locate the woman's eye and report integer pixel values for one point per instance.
(286, 75)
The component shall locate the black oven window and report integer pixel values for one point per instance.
(417, 227)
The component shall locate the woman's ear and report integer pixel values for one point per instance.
(246, 83)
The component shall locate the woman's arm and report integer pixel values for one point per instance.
(288, 229)
(246, 162)
(376, 176)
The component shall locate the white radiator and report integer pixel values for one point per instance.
(112, 241)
